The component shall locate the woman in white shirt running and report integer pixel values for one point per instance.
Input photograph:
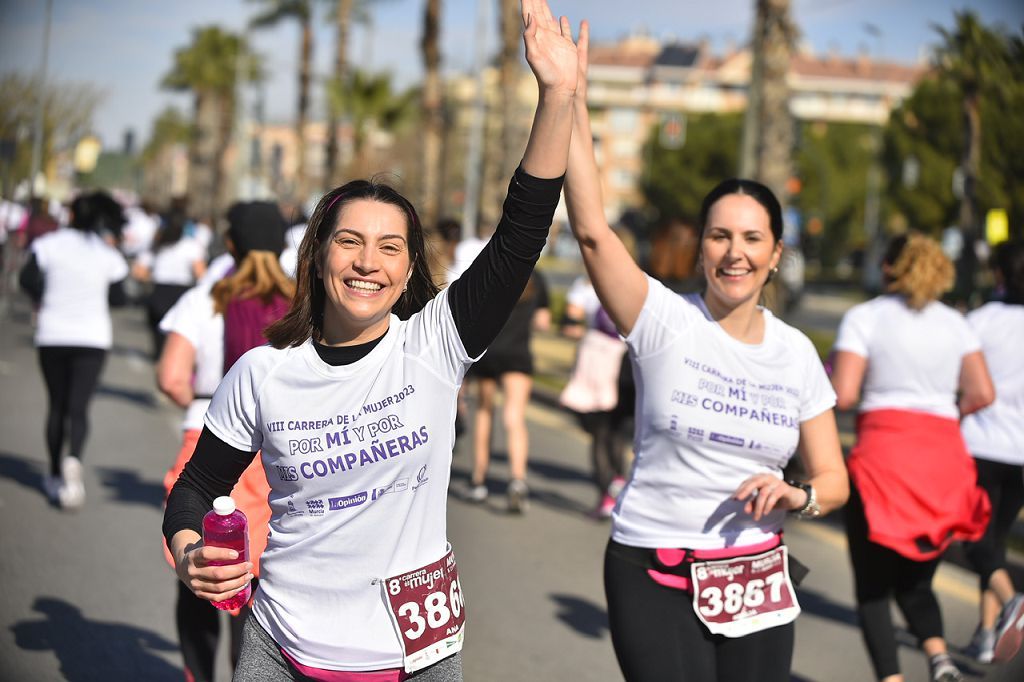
(995, 437)
(725, 394)
(916, 368)
(72, 273)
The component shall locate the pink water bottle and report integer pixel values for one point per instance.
(226, 526)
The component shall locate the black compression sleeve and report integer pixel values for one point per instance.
(214, 469)
(483, 297)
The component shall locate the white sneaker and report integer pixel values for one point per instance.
(52, 486)
(72, 492)
(477, 493)
(943, 669)
(1010, 629)
(518, 496)
(982, 646)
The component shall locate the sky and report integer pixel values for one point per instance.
(124, 47)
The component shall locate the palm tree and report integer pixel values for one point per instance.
(370, 103)
(209, 69)
(274, 12)
(972, 55)
(768, 125)
(342, 24)
(501, 148)
(433, 118)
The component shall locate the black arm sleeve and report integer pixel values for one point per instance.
(31, 279)
(483, 297)
(116, 296)
(214, 469)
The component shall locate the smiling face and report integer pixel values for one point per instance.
(738, 251)
(365, 264)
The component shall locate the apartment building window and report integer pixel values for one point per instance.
(623, 179)
(623, 120)
(626, 147)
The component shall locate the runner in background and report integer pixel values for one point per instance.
(726, 393)
(352, 410)
(995, 437)
(190, 368)
(508, 364)
(907, 358)
(73, 275)
(173, 264)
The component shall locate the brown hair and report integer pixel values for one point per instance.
(305, 318)
(916, 267)
(258, 275)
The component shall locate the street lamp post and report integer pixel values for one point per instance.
(37, 139)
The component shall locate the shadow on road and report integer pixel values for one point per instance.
(128, 487)
(823, 606)
(585, 617)
(143, 399)
(20, 470)
(93, 650)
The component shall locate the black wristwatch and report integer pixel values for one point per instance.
(811, 509)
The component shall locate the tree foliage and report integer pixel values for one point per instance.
(68, 111)
(974, 61)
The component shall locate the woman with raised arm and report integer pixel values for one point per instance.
(352, 407)
(696, 574)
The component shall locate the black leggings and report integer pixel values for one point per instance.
(1005, 489)
(71, 375)
(199, 630)
(162, 299)
(657, 636)
(879, 574)
(607, 447)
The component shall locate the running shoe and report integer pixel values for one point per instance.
(604, 508)
(982, 646)
(72, 492)
(518, 496)
(52, 486)
(1010, 629)
(943, 669)
(477, 493)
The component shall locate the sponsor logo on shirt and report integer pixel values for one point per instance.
(398, 486)
(292, 511)
(421, 478)
(726, 439)
(315, 507)
(695, 434)
(337, 503)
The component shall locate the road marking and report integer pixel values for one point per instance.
(951, 580)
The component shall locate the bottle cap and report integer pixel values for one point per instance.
(224, 505)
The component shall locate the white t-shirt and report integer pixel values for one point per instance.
(290, 255)
(358, 458)
(711, 412)
(216, 270)
(466, 252)
(581, 294)
(174, 263)
(193, 317)
(79, 268)
(914, 356)
(997, 432)
(138, 232)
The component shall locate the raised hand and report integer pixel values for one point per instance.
(583, 60)
(550, 50)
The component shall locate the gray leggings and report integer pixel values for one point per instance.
(262, 661)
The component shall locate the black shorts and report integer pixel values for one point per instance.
(493, 365)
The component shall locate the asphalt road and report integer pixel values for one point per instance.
(87, 595)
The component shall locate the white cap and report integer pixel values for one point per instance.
(224, 505)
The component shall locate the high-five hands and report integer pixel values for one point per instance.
(550, 50)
